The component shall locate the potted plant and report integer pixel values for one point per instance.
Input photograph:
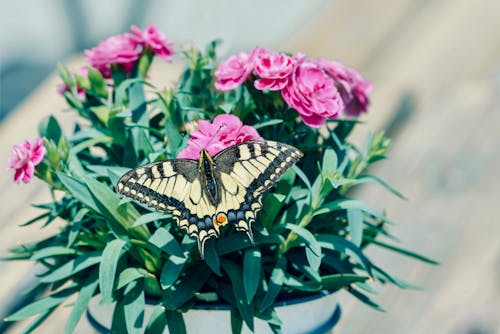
(257, 143)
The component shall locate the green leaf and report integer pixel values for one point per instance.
(365, 299)
(271, 317)
(267, 123)
(313, 259)
(171, 271)
(86, 292)
(52, 251)
(164, 240)
(245, 308)
(78, 190)
(43, 304)
(211, 257)
(123, 214)
(236, 321)
(402, 251)
(373, 178)
(175, 139)
(271, 206)
(233, 243)
(275, 284)
(133, 306)
(252, 264)
(337, 281)
(355, 221)
(128, 275)
(65, 75)
(302, 176)
(157, 321)
(307, 236)
(330, 161)
(76, 225)
(149, 217)
(97, 82)
(124, 86)
(384, 277)
(107, 268)
(50, 129)
(334, 242)
(89, 143)
(37, 218)
(344, 204)
(186, 287)
(299, 284)
(175, 322)
(71, 267)
(118, 325)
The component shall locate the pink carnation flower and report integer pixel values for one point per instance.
(312, 93)
(353, 88)
(24, 158)
(120, 49)
(155, 39)
(62, 88)
(274, 69)
(233, 72)
(225, 130)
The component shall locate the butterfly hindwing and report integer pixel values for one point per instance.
(200, 199)
(252, 167)
(172, 186)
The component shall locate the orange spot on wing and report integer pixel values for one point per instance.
(220, 219)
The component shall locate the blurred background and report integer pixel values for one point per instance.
(435, 66)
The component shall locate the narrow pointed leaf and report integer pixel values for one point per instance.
(164, 240)
(307, 236)
(355, 221)
(211, 256)
(133, 306)
(175, 322)
(107, 268)
(71, 267)
(128, 275)
(157, 321)
(86, 293)
(245, 308)
(337, 281)
(275, 284)
(149, 217)
(236, 321)
(171, 271)
(252, 264)
(42, 305)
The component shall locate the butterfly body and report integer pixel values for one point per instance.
(208, 193)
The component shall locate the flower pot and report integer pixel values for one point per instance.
(313, 314)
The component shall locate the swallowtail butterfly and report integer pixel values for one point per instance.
(208, 193)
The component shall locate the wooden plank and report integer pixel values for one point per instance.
(445, 159)
(449, 170)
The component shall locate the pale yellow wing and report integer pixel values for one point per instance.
(173, 186)
(246, 171)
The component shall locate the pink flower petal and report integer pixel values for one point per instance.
(25, 157)
(224, 131)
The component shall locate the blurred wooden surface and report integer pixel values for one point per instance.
(446, 157)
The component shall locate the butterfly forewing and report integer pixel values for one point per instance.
(241, 174)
